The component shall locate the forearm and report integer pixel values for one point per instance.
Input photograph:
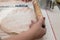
(29, 35)
(23, 36)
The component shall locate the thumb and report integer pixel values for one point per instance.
(32, 22)
(40, 20)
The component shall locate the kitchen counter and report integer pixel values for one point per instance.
(54, 18)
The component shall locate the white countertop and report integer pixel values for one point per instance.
(54, 18)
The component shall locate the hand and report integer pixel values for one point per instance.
(26, 0)
(38, 28)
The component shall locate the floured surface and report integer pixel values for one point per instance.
(18, 19)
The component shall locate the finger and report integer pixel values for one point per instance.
(43, 25)
(40, 21)
(44, 32)
(24, 0)
(32, 22)
(28, 0)
(41, 33)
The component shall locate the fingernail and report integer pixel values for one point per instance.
(30, 0)
(43, 26)
(44, 18)
(22, 0)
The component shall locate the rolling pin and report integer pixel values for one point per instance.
(37, 9)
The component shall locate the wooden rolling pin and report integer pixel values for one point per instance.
(37, 9)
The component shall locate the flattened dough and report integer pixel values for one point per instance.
(18, 20)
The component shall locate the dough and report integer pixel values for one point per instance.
(18, 20)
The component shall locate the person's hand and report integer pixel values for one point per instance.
(38, 28)
(26, 0)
